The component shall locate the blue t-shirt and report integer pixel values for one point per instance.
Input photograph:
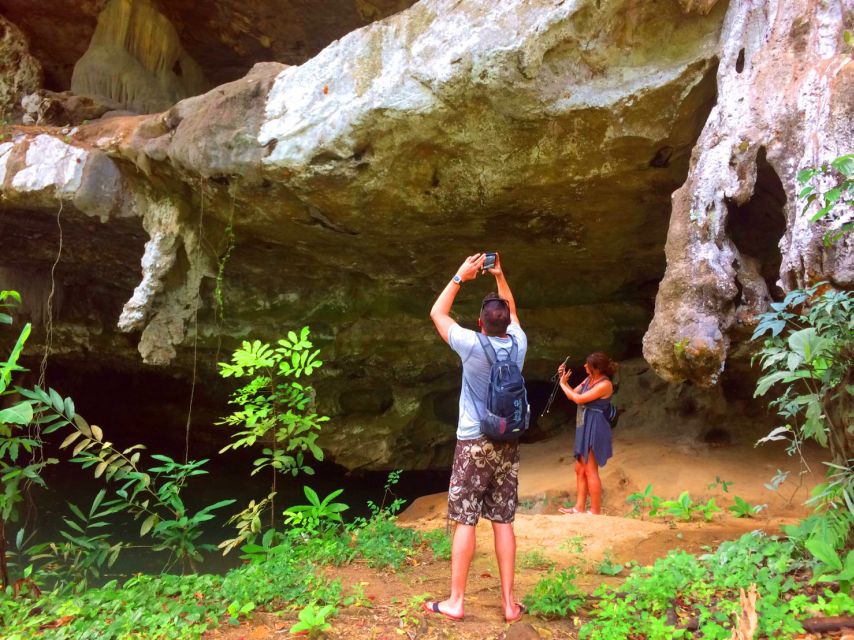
(476, 372)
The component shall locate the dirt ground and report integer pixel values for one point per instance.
(391, 605)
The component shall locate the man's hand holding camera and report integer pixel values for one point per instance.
(480, 263)
(471, 267)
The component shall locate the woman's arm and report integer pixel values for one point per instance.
(600, 390)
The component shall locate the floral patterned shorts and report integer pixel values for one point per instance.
(484, 481)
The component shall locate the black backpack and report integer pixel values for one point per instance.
(507, 409)
(611, 414)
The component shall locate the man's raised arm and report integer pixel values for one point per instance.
(504, 288)
(440, 314)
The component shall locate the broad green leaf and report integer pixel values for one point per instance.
(97, 433)
(825, 553)
(69, 408)
(21, 413)
(806, 174)
(312, 496)
(806, 343)
(844, 164)
(56, 400)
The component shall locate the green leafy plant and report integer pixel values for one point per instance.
(152, 495)
(317, 515)
(313, 620)
(723, 484)
(832, 567)
(743, 509)
(237, 610)
(440, 543)
(555, 595)
(807, 357)
(21, 462)
(535, 560)
(609, 568)
(378, 539)
(274, 406)
(684, 508)
(409, 614)
(84, 552)
(829, 191)
(248, 525)
(658, 601)
(393, 507)
(644, 501)
(575, 544)
(383, 544)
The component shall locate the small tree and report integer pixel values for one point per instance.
(275, 409)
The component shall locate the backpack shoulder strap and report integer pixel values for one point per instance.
(488, 349)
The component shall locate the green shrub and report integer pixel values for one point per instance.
(440, 543)
(706, 588)
(555, 595)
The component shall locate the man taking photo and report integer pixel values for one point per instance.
(484, 477)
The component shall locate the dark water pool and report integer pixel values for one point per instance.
(228, 477)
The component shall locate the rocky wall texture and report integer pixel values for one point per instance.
(135, 59)
(226, 37)
(344, 192)
(738, 233)
(20, 72)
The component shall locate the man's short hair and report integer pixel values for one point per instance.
(494, 315)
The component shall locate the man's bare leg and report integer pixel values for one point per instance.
(505, 553)
(462, 552)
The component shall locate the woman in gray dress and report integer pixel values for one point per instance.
(592, 429)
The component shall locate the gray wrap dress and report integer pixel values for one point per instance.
(593, 431)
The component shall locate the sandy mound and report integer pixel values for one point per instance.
(547, 481)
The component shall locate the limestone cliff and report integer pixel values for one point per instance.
(738, 234)
(344, 192)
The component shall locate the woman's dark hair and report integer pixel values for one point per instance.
(600, 361)
(494, 315)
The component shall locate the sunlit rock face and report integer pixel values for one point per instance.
(344, 192)
(738, 233)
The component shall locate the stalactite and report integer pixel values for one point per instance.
(132, 59)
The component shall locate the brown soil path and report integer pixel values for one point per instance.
(546, 480)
